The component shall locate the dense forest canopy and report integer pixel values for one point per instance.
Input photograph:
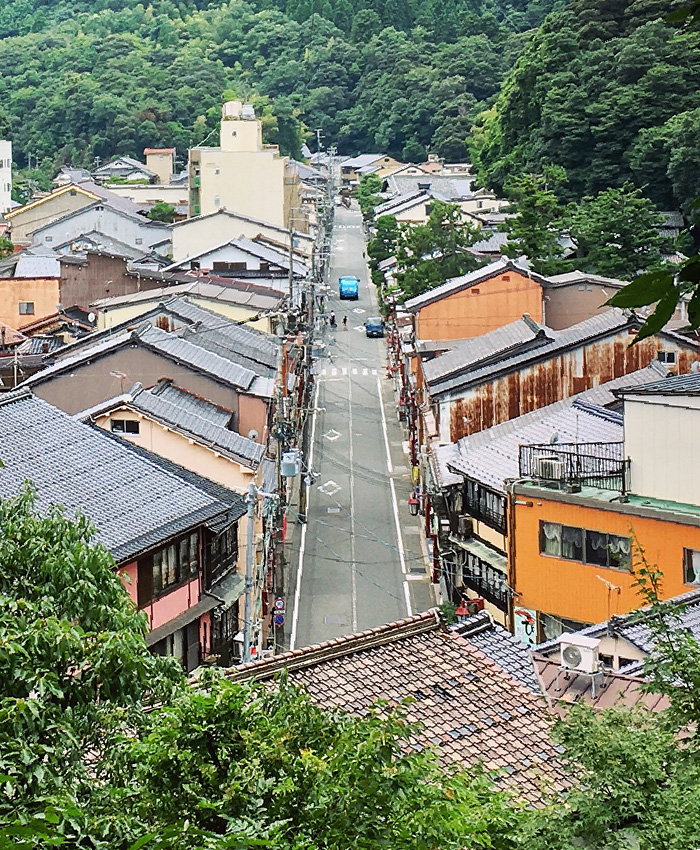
(104, 77)
(609, 90)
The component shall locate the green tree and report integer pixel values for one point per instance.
(617, 233)
(429, 254)
(162, 211)
(6, 246)
(74, 667)
(386, 238)
(535, 229)
(367, 194)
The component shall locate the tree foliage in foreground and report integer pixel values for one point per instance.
(224, 766)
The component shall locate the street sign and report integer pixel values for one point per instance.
(278, 619)
(279, 604)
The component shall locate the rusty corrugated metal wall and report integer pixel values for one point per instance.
(570, 372)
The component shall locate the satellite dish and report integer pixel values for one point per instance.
(253, 434)
(91, 317)
(572, 656)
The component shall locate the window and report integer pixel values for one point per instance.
(217, 201)
(552, 627)
(217, 171)
(26, 308)
(475, 291)
(48, 238)
(666, 356)
(585, 287)
(124, 426)
(587, 547)
(175, 564)
(73, 192)
(691, 566)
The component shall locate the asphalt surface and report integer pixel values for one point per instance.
(359, 561)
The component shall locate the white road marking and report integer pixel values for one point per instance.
(334, 371)
(353, 567)
(354, 371)
(345, 371)
(395, 505)
(407, 595)
(389, 467)
(323, 371)
(330, 488)
(302, 546)
(365, 371)
(374, 371)
(359, 328)
(359, 311)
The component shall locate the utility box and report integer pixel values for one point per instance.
(291, 464)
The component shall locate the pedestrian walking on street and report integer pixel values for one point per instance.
(345, 323)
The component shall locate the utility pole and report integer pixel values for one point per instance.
(251, 498)
(291, 263)
(319, 133)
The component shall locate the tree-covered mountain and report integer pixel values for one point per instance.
(86, 78)
(609, 90)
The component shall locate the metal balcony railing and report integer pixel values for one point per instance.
(600, 465)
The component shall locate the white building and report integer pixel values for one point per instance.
(5, 176)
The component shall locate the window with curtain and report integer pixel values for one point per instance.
(550, 538)
(691, 566)
(619, 552)
(572, 543)
(597, 548)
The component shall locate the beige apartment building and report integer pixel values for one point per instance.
(242, 175)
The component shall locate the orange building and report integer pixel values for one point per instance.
(478, 302)
(583, 517)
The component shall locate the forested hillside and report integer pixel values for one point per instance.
(86, 78)
(609, 90)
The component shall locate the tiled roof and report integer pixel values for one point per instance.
(168, 345)
(490, 244)
(569, 278)
(361, 160)
(608, 690)
(253, 248)
(457, 284)
(32, 266)
(229, 213)
(470, 708)
(442, 187)
(189, 414)
(673, 385)
(491, 455)
(491, 458)
(135, 502)
(500, 646)
(403, 202)
(633, 628)
(244, 294)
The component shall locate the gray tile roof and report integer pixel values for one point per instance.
(673, 385)
(32, 266)
(361, 160)
(172, 346)
(403, 202)
(500, 646)
(244, 294)
(135, 502)
(584, 277)
(491, 456)
(457, 284)
(439, 186)
(198, 418)
(252, 247)
(229, 213)
(633, 628)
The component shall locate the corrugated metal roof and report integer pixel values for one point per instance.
(674, 385)
(492, 456)
(33, 266)
(396, 205)
(361, 160)
(603, 324)
(478, 349)
(135, 503)
(199, 418)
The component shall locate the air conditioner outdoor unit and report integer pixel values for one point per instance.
(465, 526)
(549, 467)
(579, 653)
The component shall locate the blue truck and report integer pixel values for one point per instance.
(349, 287)
(374, 326)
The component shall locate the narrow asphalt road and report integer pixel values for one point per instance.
(358, 562)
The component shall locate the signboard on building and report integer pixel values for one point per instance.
(525, 625)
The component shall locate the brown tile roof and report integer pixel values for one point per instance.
(469, 708)
(611, 689)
